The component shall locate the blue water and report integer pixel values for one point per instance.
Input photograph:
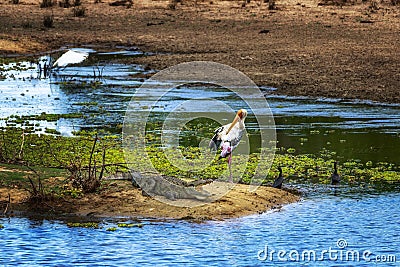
(357, 222)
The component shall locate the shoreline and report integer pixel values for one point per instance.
(120, 199)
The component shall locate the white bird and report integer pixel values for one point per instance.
(71, 57)
(227, 137)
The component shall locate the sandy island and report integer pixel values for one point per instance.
(119, 198)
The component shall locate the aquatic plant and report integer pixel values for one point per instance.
(8, 66)
(130, 225)
(69, 190)
(304, 168)
(111, 229)
(93, 225)
(1, 226)
(291, 150)
(88, 157)
(51, 131)
(85, 103)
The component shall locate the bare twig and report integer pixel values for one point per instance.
(37, 191)
(8, 204)
(21, 147)
(91, 155)
(103, 164)
(53, 154)
(34, 189)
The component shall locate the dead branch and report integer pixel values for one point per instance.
(53, 154)
(8, 205)
(91, 154)
(22, 145)
(34, 189)
(103, 164)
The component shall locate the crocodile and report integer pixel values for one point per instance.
(170, 187)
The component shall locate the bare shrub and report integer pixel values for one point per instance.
(79, 11)
(65, 4)
(271, 5)
(48, 21)
(68, 4)
(335, 3)
(27, 25)
(373, 6)
(47, 3)
(85, 175)
(39, 196)
(172, 4)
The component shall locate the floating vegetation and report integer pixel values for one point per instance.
(31, 124)
(74, 86)
(291, 150)
(130, 225)
(111, 229)
(60, 152)
(1, 226)
(8, 68)
(51, 131)
(303, 168)
(44, 117)
(93, 225)
(69, 190)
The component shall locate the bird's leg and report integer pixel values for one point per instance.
(230, 168)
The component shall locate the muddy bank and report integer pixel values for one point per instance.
(301, 47)
(119, 198)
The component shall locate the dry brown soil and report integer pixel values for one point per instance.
(345, 51)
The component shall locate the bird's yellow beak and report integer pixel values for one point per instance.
(235, 120)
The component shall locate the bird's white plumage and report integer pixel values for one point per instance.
(235, 133)
(71, 57)
(228, 137)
